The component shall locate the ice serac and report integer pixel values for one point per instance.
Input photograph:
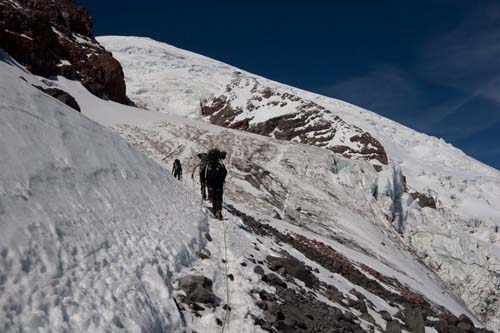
(92, 229)
(55, 38)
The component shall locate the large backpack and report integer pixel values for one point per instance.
(215, 174)
(214, 171)
(213, 155)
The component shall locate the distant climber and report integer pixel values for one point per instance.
(201, 165)
(177, 169)
(213, 175)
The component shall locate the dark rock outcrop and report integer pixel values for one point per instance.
(414, 319)
(417, 309)
(198, 289)
(274, 280)
(385, 315)
(424, 200)
(393, 327)
(62, 96)
(294, 268)
(259, 270)
(55, 38)
(448, 323)
(308, 122)
(464, 322)
(297, 311)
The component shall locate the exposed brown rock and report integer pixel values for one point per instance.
(62, 96)
(198, 289)
(414, 319)
(424, 200)
(393, 327)
(308, 125)
(55, 38)
(293, 267)
(417, 307)
(298, 311)
(371, 147)
(385, 315)
(465, 322)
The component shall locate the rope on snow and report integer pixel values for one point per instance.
(227, 316)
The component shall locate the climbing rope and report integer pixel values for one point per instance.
(227, 316)
(285, 204)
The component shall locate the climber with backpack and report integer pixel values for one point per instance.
(213, 175)
(177, 169)
(201, 165)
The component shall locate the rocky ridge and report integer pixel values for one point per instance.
(55, 38)
(248, 105)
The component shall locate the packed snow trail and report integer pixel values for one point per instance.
(227, 248)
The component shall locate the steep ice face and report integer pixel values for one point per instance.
(92, 230)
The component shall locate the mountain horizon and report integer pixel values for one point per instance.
(389, 58)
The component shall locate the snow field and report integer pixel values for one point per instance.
(92, 230)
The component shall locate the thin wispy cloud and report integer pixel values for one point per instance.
(384, 88)
(467, 57)
(449, 87)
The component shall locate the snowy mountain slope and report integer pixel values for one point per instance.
(167, 79)
(460, 239)
(321, 212)
(92, 230)
(154, 68)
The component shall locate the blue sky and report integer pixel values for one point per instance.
(433, 65)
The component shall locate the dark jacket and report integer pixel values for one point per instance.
(177, 167)
(213, 174)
